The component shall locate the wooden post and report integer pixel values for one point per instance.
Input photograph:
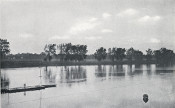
(24, 85)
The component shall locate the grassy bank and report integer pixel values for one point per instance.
(37, 63)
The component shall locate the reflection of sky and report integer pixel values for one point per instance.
(115, 91)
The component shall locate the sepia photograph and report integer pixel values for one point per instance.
(87, 53)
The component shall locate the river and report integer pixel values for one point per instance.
(103, 86)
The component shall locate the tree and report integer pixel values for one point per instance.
(73, 52)
(50, 51)
(130, 54)
(100, 54)
(138, 55)
(117, 53)
(82, 50)
(164, 56)
(111, 53)
(4, 48)
(61, 51)
(149, 55)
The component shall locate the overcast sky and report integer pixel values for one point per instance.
(30, 24)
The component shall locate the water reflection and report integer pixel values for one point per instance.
(130, 70)
(135, 70)
(148, 69)
(4, 81)
(164, 71)
(49, 76)
(116, 70)
(73, 74)
(100, 71)
(122, 86)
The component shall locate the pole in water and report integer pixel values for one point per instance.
(145, 98)
(24, 93)
(24, 85)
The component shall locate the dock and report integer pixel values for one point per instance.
(26, 88)
(75, 80)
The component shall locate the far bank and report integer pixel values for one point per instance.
(41, 63)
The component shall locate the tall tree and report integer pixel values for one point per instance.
(111, 53)
(4, 48)
(149, 55)
(130, 54)
(119, 53)
(116, 53)
(138, 55)
(50, 51)
(100, 54)
(73, 52)
(60, 48)
(82, 50)
(164, 56)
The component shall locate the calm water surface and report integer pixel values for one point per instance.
(91, 87)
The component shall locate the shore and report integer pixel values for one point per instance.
(39, 63)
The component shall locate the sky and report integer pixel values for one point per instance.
(31, 24)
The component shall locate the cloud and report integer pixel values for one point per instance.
(83, 26)
(106, 31)
(147, 18)
(13, 0)
(26, 35)
(128, 12)
(93, 19)
(154, 40)
(93, 37)
(106, 15)
(59, 37)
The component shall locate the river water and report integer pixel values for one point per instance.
(103, 86)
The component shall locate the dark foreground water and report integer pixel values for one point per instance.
(91, 87)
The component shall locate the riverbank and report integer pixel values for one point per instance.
(38, 63)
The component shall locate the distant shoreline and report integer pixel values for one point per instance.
(38, 63)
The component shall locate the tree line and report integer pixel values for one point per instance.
(67, 52)
(71, 52)
(163, 56)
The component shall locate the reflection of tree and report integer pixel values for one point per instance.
(116, 70)
(73, 74)
(49, 76)
(173, 85)
(100, 71)
(163, 71)
(130, 70)
(137, 70)
(138, 66)
(4, 81)
(149, 71)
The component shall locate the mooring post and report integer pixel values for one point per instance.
(24, 85)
